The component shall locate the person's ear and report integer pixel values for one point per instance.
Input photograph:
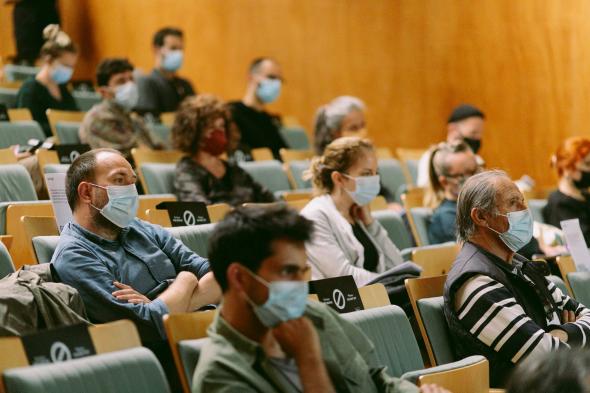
(479, 217)
(85, 192)
(236, 277)
(337, 178)
(105, 92)
(444, 182)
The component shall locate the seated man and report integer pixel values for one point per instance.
(497, 303)
(124, 267)
(267, 337)
(163, 90)
(110, 123)
(258, 128)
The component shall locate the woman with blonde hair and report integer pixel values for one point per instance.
(48, 89)
(347, 240)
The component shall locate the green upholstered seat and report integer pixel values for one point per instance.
(295, 137)
(189, 351)
(195, 237)
(395, 227)
(297, 168)
(392, 176)
(19, 133)
(269, 173)
(422, 216)
(85, 100)
(44, 247)
(6, 266)
(431, 311)
(67, 132)
(580, 284)
(159, 178)
(8, 97)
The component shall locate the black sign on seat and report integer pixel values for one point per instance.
(58, 345)
(68, 153)
(186, 213)
(340, 293)
(4, 113)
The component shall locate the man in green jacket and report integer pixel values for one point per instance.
(267, 337)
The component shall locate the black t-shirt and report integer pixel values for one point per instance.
(371, 254)
(158, 94)
(257, 129)
(563, 207)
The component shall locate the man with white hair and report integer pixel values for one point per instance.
(497, 303)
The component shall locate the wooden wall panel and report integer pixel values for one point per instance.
(525, 63)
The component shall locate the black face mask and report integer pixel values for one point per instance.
(474, 144)
(584, 181)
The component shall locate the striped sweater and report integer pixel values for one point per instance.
(489, 311)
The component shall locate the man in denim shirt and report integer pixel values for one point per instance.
(124, 267)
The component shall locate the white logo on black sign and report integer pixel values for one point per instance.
(59, 352)
(339, 299)
(73, 155)
(189, 218)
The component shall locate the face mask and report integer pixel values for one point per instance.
(520, 229)
(286, 301)
(584, 181)
(122, 206)
(367, 188)
(474, 144)
(269, 90)
(172, 60)
(61, 73)
(215, 143)
(127, 95)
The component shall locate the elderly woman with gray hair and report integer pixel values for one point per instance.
(498, 303)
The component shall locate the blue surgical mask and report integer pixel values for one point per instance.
(122, 206)
(172, 60)
(127, 95)
(60, 73)
(287, 300)
(520, 229)
(269, 90)
(367, 188)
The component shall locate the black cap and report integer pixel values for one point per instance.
(463, 112)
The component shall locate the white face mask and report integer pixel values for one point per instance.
(367, 188)
(127, 95)
(122, 206)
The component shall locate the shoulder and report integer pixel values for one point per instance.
(318, 207)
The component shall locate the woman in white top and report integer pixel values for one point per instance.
(347, 240)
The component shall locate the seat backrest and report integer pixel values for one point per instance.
(38, 226)
(67, 132)
(161, 131)
(46, 157)
(8, 96)
(421, 288)
(288, 155)
(392, 175)
(16, 184)
(6, 266)
(130, 370)
(85, 100)
(217, 211)
(56, 168)
(391, 333)
(296, 169)
(189, 352)
(383, 153)
(432, 313)
(413, 197)
(536, 206)
(419, 219)
(151, 201)
(435, 259)
(295, 137)
(55, 116)
(185, 326)
(261, 154)
(471, 378)
(167, 118)
(195, 237)
(270, 174)
(157, 178)
(20, 114)
(7, 156)
(44, 247)
(566, 265)
(158, 217)
(15, 72)
(395, 227)
(580, 285)
(409, 159)
(374, 295)
(19, 133)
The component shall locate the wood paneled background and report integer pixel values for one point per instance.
(525, 63)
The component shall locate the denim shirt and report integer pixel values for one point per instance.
(145, 257)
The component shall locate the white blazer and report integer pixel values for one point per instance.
(334, 250)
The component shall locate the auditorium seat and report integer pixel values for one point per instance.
(288, 155)
(295, 137)
(392, 176)
(395, 227)
(435, 259)
(38, 226)
(7, 156)
(67, 132)
(14, 72)
(44, 247)
(20, 114)
(8, 96)
(536, 206)
(409, 159)
(130, 370)
(580, 285)
(268, 173)
(85, 100)
(566, 265)
(56, 117)
(157, 178)
(295, 170)
(262, 154)
(419, 219)
(188, 353)
(167, 118)
(6, 266)
(195, 237)
(19, 133)
(162, 132)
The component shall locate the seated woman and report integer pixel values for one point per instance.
(200, 131)
(48, 89)
(571, 199)
(347, 240)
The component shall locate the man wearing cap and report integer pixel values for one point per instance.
(465, 123)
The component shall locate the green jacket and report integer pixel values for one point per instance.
(230, 362)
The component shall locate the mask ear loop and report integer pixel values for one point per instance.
(96, 185)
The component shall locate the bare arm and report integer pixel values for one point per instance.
(206, 292)
(177, 296)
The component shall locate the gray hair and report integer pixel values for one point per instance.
(478, 192)
(329, 119)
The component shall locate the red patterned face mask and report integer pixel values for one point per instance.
(215, 143)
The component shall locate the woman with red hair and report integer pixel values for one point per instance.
(571, 199)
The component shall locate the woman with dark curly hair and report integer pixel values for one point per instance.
(200, 131)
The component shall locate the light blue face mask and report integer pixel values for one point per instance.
(367, 188)
(122, 206)
(127, 95)
(60, 73)
(172, 60)
(269, 90)
(520, 229)
(287, 300)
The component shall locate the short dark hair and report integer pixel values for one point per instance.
(109, 67)
(465, 111)
(552, 372)
(257, 62)
(160, 36)
(246, 236)
(82, 169)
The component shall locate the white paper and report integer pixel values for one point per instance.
(56, 186)
(576, 244)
